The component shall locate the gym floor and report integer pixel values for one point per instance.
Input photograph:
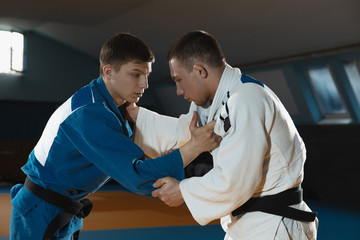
(118, 214)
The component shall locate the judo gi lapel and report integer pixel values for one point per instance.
(228, 80)
(111, 104)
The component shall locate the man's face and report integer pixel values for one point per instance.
(189, 84)
(129, 82)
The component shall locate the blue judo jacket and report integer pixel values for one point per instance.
(85, 142)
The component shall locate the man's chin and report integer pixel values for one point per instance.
(133, 100)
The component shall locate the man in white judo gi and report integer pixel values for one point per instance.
(254, 186)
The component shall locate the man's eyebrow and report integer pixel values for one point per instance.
(139, 70)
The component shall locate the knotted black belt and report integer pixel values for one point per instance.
(70, 206)
(278, 204)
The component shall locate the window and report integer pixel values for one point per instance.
(326, 92)
(11, 52)
(352, 71)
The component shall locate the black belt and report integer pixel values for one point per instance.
(70, 206)
(278, 204)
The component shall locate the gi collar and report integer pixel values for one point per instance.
(100, 85)
(228, 79)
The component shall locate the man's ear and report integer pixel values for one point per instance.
(107, 69)
(201, 70)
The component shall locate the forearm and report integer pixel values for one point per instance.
(164, 134)
(189, 152)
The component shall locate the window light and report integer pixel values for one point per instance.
(11, 52)
(325, 91)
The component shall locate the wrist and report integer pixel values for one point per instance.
(189, 152)
(135, 113)
(132, 112)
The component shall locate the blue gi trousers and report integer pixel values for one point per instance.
(30, 217)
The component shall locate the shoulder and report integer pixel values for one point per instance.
(249, 88)
(86, 108)
(81, 98)
(88, 100)
(249, 94)
(246, 79)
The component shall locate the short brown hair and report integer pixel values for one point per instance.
(123, 48)
(197, 46)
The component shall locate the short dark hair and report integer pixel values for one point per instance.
(197, 46)
(123, 48)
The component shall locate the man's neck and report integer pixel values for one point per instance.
(118, 100)
(214, 83)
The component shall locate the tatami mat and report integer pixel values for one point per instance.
(118, 214)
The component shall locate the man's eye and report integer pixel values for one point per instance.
(136, 75)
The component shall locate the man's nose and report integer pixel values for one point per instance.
(179, 91)
(144, 83)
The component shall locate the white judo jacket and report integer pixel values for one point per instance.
(261, 154)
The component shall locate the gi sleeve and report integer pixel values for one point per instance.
(157, 133)
(97, 134)
(238, 161)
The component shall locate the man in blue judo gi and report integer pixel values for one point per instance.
(87, 140)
